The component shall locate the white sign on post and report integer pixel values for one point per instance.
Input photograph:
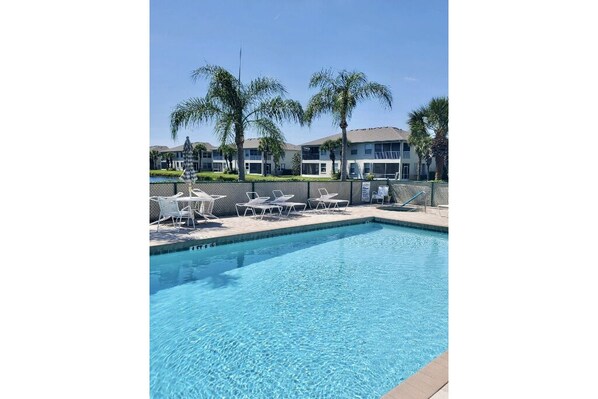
(365, 191)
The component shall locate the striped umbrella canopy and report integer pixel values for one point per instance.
(189, 174)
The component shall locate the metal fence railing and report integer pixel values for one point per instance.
(400, 191)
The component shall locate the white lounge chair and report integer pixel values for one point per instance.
(283, 200)
(256, 202)
(445, 207)
(327, 202)
(169, 209)
(205, 207)
(381, 194)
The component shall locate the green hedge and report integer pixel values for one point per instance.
(213, 176)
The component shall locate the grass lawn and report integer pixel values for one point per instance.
(208, 176)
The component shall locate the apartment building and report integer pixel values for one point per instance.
(253, 158)
(382, 151)
(178, 158)
(213, 159)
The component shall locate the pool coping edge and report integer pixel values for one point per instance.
(201, 243)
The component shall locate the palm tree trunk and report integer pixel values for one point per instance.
(263, 163)
(200, 160)
(332, 158)
(439, 166)
(240, 160)
(344, 151)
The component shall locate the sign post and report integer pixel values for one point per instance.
(365, 191)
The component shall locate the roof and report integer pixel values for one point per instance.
(255, 143)
(209, 147)
(159, 148)
(367, 135)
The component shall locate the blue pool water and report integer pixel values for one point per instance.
(347, 312)
(164, 179)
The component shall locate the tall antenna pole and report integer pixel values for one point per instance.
(240, 49)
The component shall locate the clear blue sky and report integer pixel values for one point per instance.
(401, 44)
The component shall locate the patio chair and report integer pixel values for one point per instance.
(169, 209)
(255, 202)
(283, 200)
(205, 207)
(327, 202)
(381, 194)
(155, 199)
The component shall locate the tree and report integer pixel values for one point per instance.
(169, 156)
(339, 96)
(198, 153)
(331, 146)
(228, 152)
(235, 108)
(434, 117)
(273, 146)
(154, 155)
(420, 139)
(296, 164)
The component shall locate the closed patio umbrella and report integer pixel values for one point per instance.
(189, 175)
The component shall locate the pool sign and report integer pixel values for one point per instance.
(365, 191)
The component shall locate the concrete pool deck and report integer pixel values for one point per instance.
(431, 382)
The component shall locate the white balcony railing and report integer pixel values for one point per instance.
(391, 155)
(388, 155)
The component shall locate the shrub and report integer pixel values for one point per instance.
(369, 176)
(335, 175)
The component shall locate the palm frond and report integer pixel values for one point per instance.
(266, 128)
(192, 111)
(320, 103)
(263, 87)
(223, 128)
(374, 90)
(279, 110)
(322, 79)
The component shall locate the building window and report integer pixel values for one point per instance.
(368, 148)
(322, 168)
(353, 151)
(310, 153)
(352, 168)
(255, 168)
(309, 169)
(367, 168)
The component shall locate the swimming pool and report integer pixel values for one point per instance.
(343, 312)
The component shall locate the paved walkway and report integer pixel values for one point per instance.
(234, 228)
(168, 238)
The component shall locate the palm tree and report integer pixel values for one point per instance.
(169, 157)
(273, 146)
(434, 117)
(235, 108)
(419, 138)
(296, 164)
(228, 151)
(198, 153)
(339, 96)
(154, 155)
(331, 146)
